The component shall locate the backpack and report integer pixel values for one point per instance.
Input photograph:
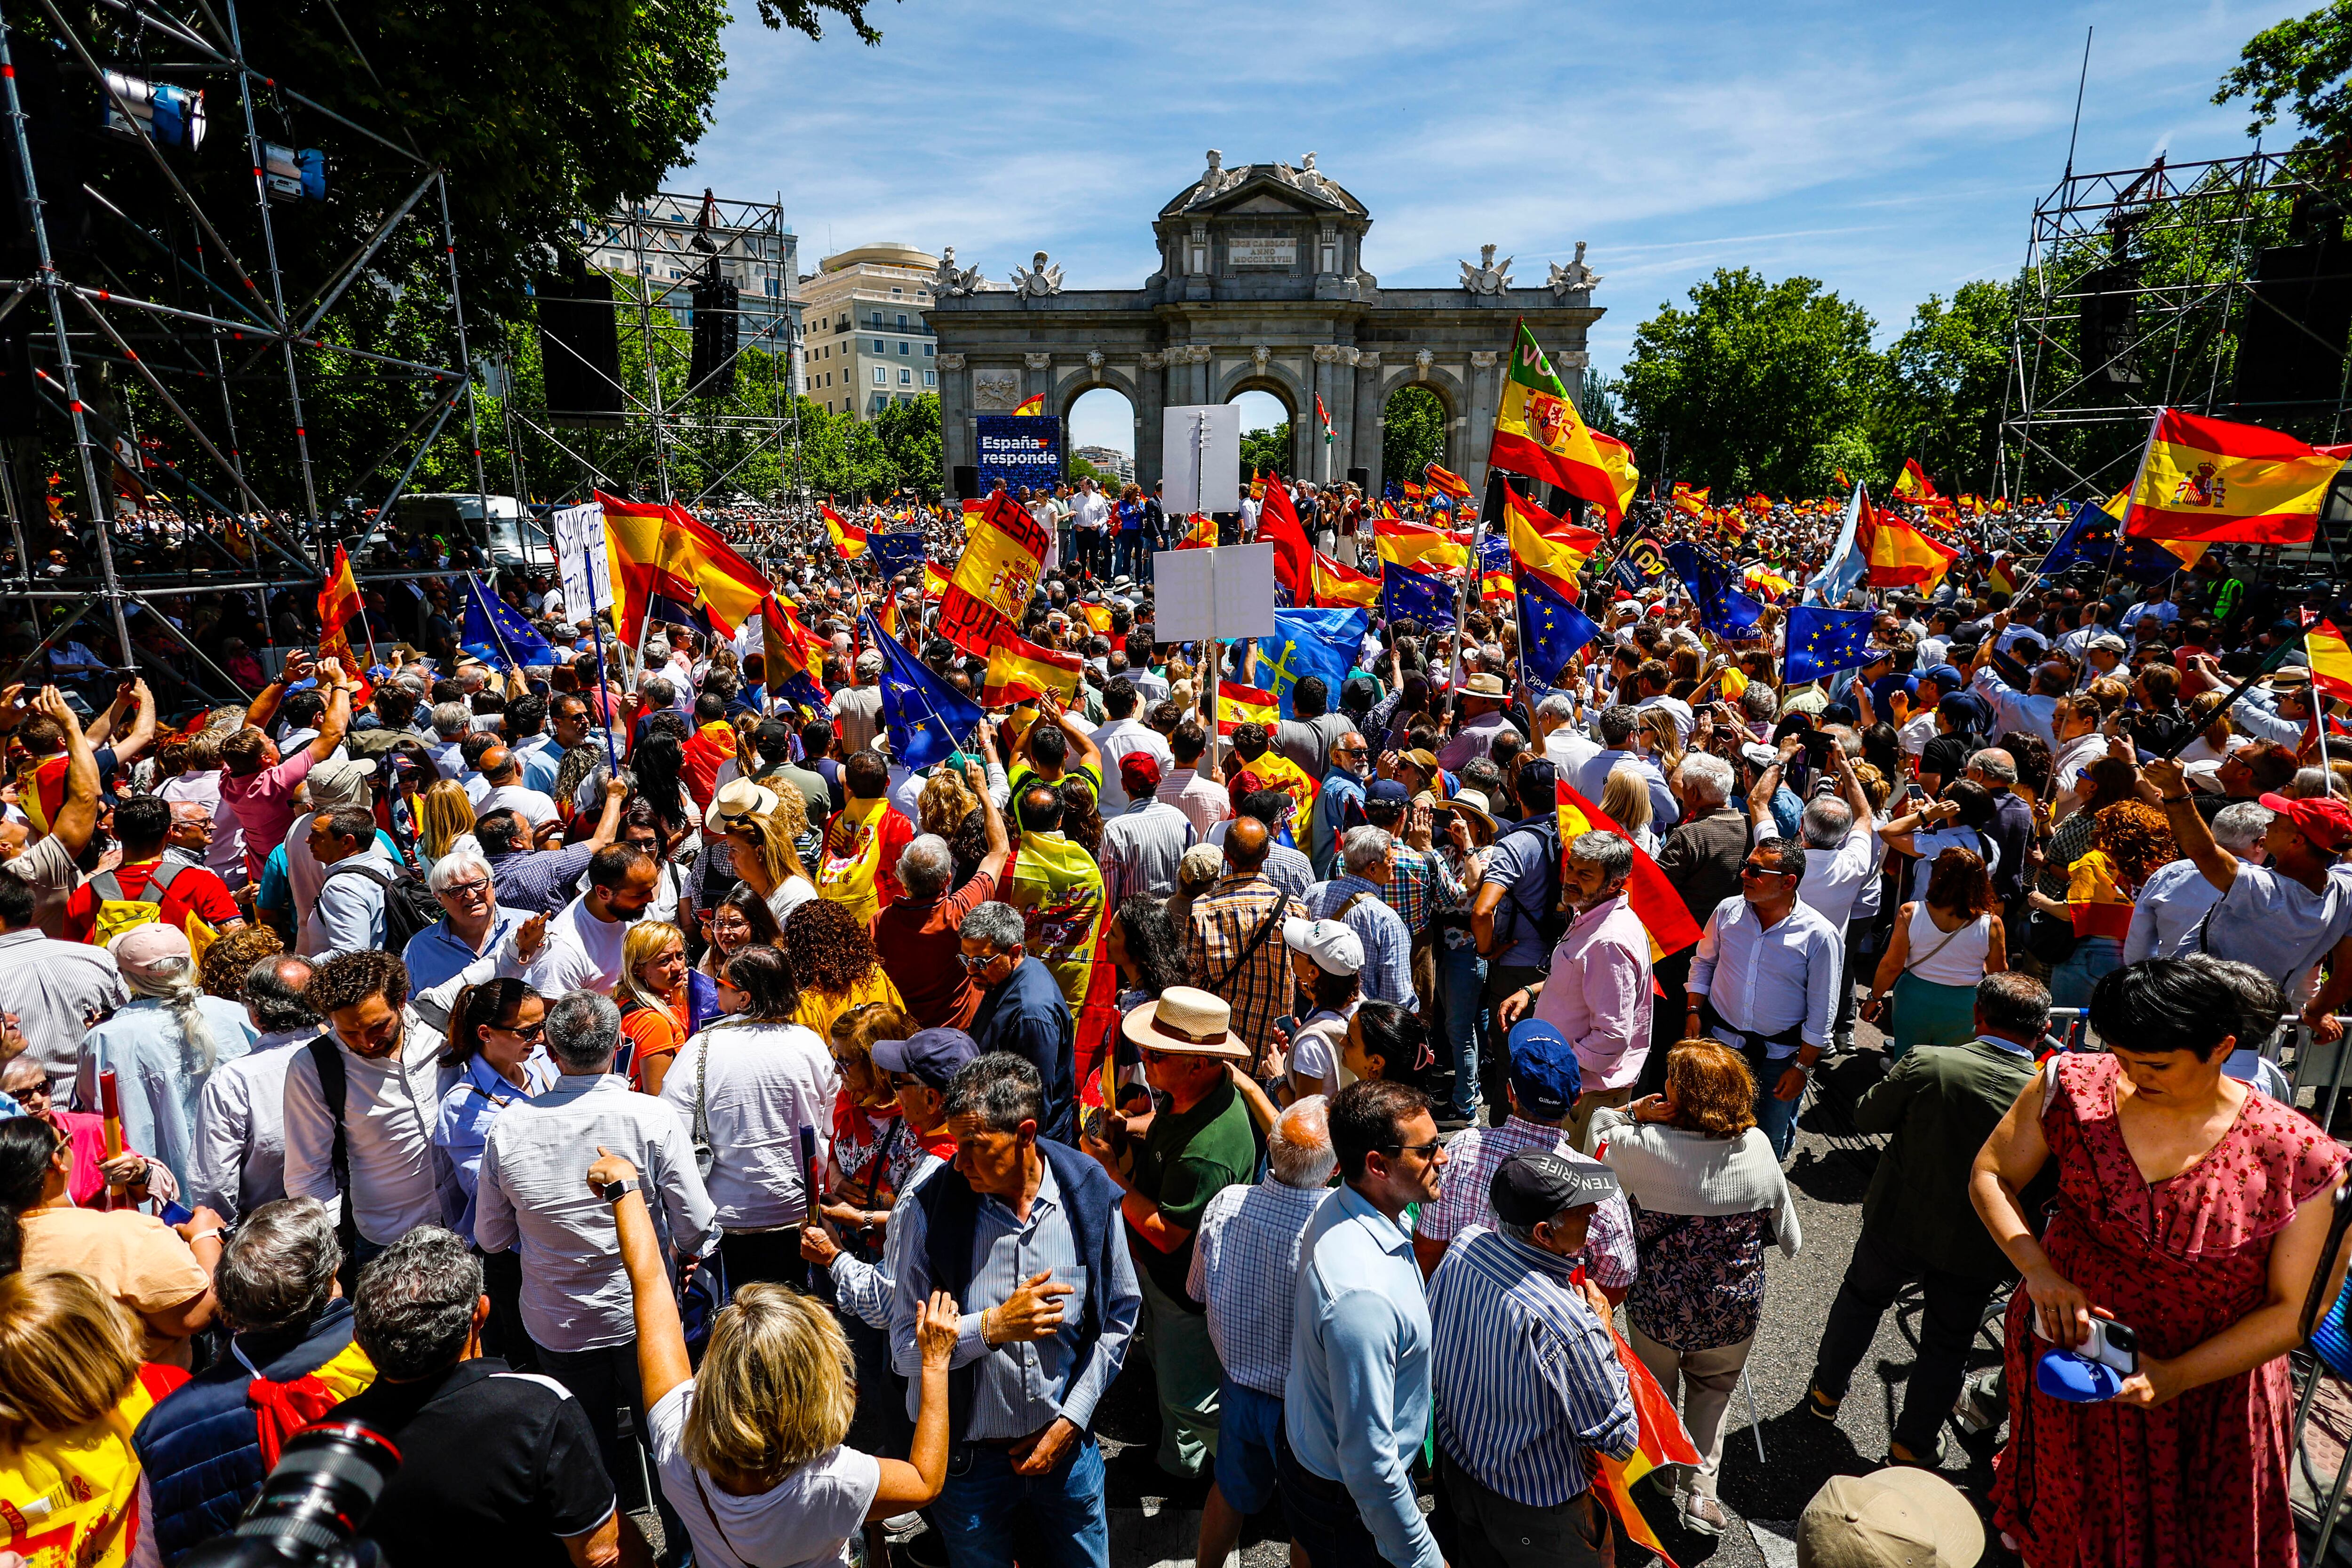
(409, 905)
(117, 913)
(1542, 912)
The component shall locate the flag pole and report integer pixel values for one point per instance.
(596, 636)
(2122, 522)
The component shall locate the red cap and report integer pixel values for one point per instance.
(2324, 819)
(1139, 771)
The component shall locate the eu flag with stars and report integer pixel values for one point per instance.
(2091, 538)
(1311, 642)
(1555, 627)
(1824, 642)
(1723, 609)
(497, 634)
(928, 720)
(895, 553)
(1410, 595)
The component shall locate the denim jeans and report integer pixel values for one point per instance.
(1461, 1015)
(1777, 1117)
(990, 1516)
(2094, 958)
(1127, 562)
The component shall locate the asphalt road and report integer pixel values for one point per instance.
(1154, 1520)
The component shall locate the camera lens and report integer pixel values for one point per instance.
(317, 1496)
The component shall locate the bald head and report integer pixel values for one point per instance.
(498, 765)
(1246, 842)
(1298, 1145)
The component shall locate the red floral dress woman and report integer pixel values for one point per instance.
(2195, 1211)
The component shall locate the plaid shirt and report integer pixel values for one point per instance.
(1421, 886)
(1472, 1157)
(1246, 1273)
(1224, 921)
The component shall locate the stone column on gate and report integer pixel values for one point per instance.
(1150, 409)
(1039, 379)
(956, 447)
(1371, 416)
(1478, 434)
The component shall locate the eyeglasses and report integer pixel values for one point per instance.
(1751, 868)
(479, 885)
(1424, 1150)
(533, 1032)
(969, 961)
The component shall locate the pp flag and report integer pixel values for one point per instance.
(1316, 642)
(497, 634)
(1661, 909)
(1410, 595)
(2211, 479)
(927, 719)
(1823, 641)
(1555, 627)
(1538, 433)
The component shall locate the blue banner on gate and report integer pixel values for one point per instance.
(1021, 450)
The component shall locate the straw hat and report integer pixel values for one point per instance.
(1472, 802)
(738, 798)
(1186, 1022)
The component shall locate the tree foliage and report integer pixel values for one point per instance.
(1939, 398)
(1412, 434)
(1266, 450)
(2303, 64)
(1744, 384)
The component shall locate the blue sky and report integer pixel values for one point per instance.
(1891, 151)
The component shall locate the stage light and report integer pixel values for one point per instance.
(174, 116)
(294, 176)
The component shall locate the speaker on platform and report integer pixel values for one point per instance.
(967, 481)
(1361, 478)
(580, 347)
(710, 368)
(2110, 320)
(2291, 336)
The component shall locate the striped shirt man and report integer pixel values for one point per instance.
(1524, 1373)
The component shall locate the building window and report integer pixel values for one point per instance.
(930, 350)
(931, 378)
(902, 350)
(775, 287)
(881, 376)
(873, 317)
(895, 292)
(902, 316)
(880, 347)
(905, 378)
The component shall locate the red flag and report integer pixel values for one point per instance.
(1294, 558)
(339, 595)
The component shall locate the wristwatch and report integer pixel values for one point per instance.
(615, 1190)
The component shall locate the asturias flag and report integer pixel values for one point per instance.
(1538, 433)
(1310, 642)
(2211, 479)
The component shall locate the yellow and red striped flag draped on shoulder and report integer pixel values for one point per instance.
(339, 595)
(1544, 544)
(1337, 586)
(2330, 660)
(848, 539)
(1660, 908)
(2213, 481)
(1239, 704)
(1618, 458)
(1021, 671)
(1419, 545)
(1538, 433)
(1445, 481)
(1896, 552)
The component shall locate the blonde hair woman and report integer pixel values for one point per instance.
(655, 1013)
(749, 1449)
(766, 862)
(1665, 739)
(1626, 797)
(444, 823)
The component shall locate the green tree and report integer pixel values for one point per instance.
(1412, 434)
(1267, 449)
(911, 438)
(1941, 398)
(2303, 64)
(1750, 380)
(1602, 405)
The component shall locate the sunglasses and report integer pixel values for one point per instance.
(1751, 868)
(1424, 1150)
(533, 1032)
(969, 961)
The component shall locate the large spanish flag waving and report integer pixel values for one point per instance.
(2211, 479)
(666, 553)
(1913, 484)
(1021, 671)
(1419, 546)
(1338, 586)
(339, 596)
(1691, 501)
(1618, 458)
(1660, 908)
(2330, 660)
(1542, 543)
(849, 541)
(1239, 704)
(1897, 552)
(1538, 433)
(1293, 557)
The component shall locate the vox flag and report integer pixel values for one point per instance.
(1618, 458)
(1538, 433)
(2213, 481)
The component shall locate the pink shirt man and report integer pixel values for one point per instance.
(1599, 994)
(264, 804)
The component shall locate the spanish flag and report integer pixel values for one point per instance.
(1618, 458)
(1542, 543)
(1032, 406)
(644, 570)
(1021, 671)
(1538, 433)
(787, 648)
(1660, 908)
(1412, 491)
(2211, 479)
(339, 596)
(849, 541)
(1899, 553)
(1913, 484)
(1200, 532)
(1665, 1441)
(935, 581)
(2330, 660)
(1096, 615)
(1445, 481)
(1337, 586)
(1419, 546)
(1691, 501)
(1238, 704)
(972, 509)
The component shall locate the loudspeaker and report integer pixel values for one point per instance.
(2291, 337)
(2110, 314)
(967, 481)
(580, 347)
(710, 368)
(1361, 478)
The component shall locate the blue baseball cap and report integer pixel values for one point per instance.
(933, 1056)
(1544, 1071)
(1946, 677)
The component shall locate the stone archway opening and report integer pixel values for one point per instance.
(1101, 433)
(1413, 426)
(1268, 423)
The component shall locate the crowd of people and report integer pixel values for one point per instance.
(680, 1128)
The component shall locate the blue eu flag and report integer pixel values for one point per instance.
(895, 553)
(1410, 595)
(2090, 537)
(1555, 627)
(926, 719)
(497, 634)
(1723, 609)
(1310, 642)
(1824, 642)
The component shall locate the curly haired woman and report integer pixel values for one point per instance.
(2129, 839)
(835, 964)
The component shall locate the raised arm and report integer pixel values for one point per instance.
(2188, 828)
(131, 747)
(337, 719)
(662, 1362)
(999, 847)
(77, 818)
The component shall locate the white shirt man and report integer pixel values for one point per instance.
(530, 804)
(389, 1105)
(1090, 511)
(1115, 740)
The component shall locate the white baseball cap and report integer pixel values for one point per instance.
(1334, 948)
